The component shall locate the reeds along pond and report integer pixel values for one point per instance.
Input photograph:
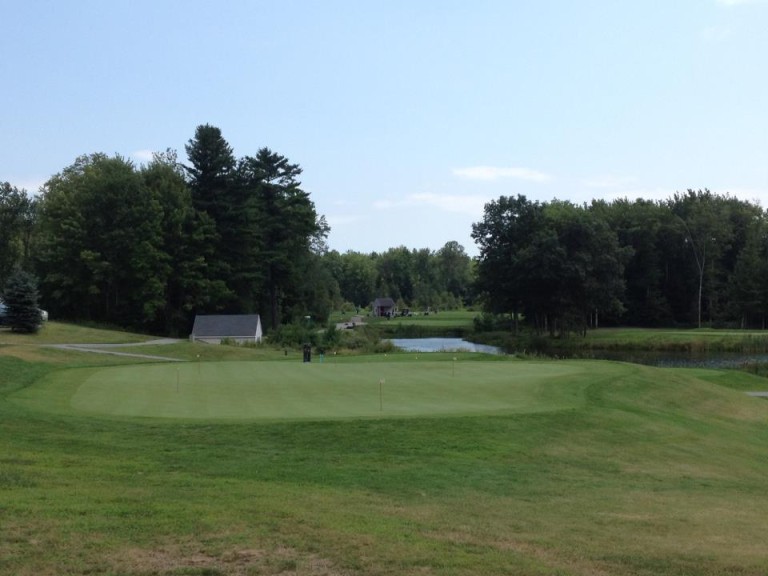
(671, 348)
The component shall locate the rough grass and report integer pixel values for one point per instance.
(449, 323)
(61, 332)
(694, 340)
(652, 472)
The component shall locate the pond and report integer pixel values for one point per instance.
(442, 345)
(662, 359)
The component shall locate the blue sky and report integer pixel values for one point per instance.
(406, 116)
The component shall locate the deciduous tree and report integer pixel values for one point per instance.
(16, 215)
(101, 243)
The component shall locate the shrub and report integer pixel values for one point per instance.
(362, 338)
(331, 337)
(294, 335)
(489, 322)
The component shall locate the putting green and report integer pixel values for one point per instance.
(280, 390)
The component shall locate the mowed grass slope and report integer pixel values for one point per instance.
(631, 470)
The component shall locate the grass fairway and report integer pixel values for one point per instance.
(488, 467)
(280, 390)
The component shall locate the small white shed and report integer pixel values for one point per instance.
(240, 328)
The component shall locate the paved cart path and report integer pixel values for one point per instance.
(110, 349)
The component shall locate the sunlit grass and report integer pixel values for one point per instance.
(620, 470)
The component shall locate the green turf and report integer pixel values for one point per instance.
(278, 390)
(559, 469)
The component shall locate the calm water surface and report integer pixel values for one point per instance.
(664, 359)
(442, 345)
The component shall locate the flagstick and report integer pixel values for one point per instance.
(381, 395)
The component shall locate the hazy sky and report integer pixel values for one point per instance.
(406, 116)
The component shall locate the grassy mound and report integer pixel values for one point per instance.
(280, 390)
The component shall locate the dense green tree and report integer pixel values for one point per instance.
(706, 232)
(217, 196)
(427, 293)
(357, 280)
(16, 219)
(507, 237)
(319, 292)
(740, 217)
(101, 243)
(662, 273)
(592, 280)
(558, 263)
(418, 278)
(211, 173)
(748, 287)
(395, 274)
(454, 270)
(285, 226)
(21, 299)
(267, 228)
(187, 246)
(637, 226)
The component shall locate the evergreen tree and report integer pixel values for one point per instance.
(284, 226)
(211, 172)
(187, 246)
(21, 300)
(212, 178)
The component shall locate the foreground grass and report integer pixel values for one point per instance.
(652, 472)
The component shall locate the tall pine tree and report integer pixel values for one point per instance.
(214, 189)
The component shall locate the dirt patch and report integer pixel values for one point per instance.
(243, 562)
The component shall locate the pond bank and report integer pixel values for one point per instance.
(632, 340)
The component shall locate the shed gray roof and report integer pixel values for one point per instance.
(226, 325)
(383, 303)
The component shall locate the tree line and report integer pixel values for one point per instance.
(697, 258)
(422, 279)
(149, 247)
